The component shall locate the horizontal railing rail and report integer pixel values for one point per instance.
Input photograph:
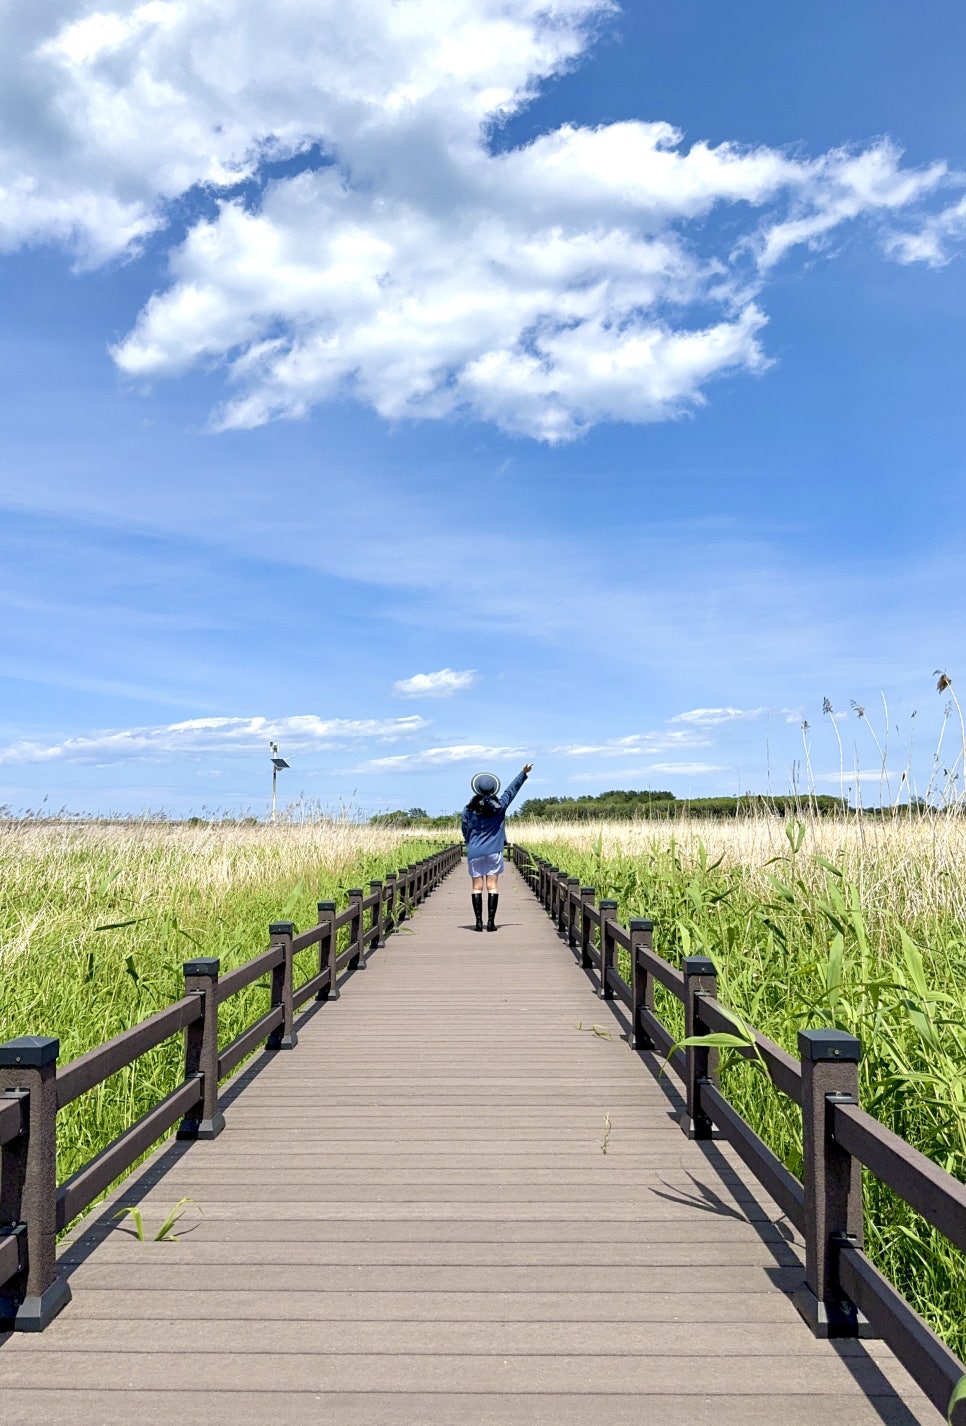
(12, 1121)
(843, 1293)
(33, 1209)
(96, 1066)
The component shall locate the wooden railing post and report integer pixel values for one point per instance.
(573, 903)
(587, 926)
(642, 983)
(608, 914)
(402, 891)
(201, 1050)
(28, 1189)
(284, 1037)
(358, 958)
(700, 978)
(390, 911)
(563, 897)
(833, 1182)
(328, 950)
(378, 919)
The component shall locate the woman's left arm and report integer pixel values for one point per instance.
(515, 786)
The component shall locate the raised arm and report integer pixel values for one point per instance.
(514, 787)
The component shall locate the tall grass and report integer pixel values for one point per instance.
(858, 925)
(96, 921)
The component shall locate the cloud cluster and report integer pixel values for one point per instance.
(441, 684)
(391, 253)
(636, 745)
(439, 757)
(684, 769)
(714, 717)
(301, 733)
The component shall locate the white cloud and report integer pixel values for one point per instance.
(935, 238)
(842, 186)
(641, 744)
(442, 684)
(301, 733)
(691, 769)
(566, 282)
(713, 717)
(439, 757)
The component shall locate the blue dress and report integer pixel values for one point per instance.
(484, 835)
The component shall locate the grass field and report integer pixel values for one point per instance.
(859, 925)
(97, 919)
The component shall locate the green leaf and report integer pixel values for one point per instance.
(119, 925)
(719, 1040)
(293, 900)
(107, 880)
(784, 891)
(164, 1232)
(136, 1218)
(959, 1394)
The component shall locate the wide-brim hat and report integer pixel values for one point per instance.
(485, 784)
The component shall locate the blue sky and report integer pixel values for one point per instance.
(434, 386)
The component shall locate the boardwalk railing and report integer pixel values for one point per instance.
(844, 1294)
(33, 1209)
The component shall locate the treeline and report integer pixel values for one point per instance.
(412, 817)
(631, 805)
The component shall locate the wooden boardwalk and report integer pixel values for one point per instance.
(410, 1219)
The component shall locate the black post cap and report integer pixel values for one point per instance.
(357, 891)
(203, 965)
(828, 1045)
(588, 891)
(281, 928)
(326, 906)
(390, 876)
(374, 884)
(606, 904)
(29, 1052)
(638, 923)
(698, 965)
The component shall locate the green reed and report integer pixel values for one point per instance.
(814, 925)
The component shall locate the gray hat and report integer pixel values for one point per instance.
(485, 784)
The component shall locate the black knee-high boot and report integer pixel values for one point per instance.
(477, 899)
(491, 902)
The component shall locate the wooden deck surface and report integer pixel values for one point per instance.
(410, 1219)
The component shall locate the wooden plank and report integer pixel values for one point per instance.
(81, 1406)
(550, 1373)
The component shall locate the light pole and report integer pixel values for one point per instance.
(277, 764)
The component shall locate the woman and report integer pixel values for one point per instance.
(483, 818)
